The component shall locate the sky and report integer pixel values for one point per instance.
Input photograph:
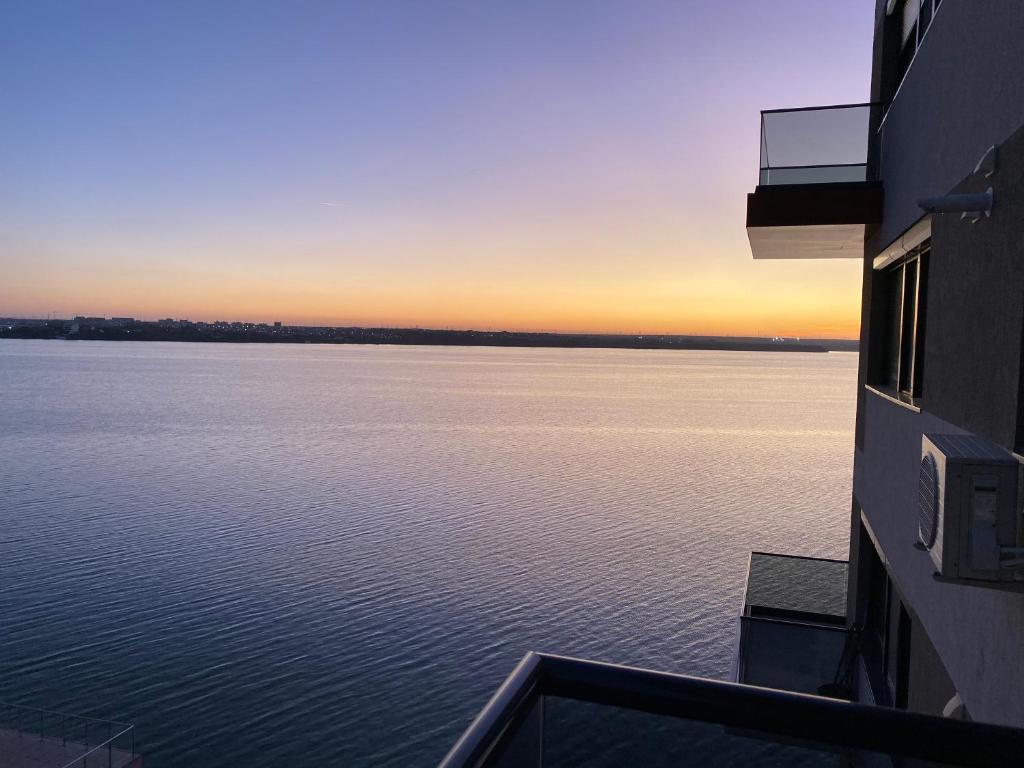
(569, 166)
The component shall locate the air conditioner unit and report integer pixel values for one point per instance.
(967, 502)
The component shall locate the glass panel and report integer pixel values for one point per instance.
(922, 310)
(926, 18)
(817, 175)
(812, 146)
(598, 736)
(827, 136)
(893, 285)
(521, 746)
(909, 22)
(790, 656)
(909, 324)
(794, 587)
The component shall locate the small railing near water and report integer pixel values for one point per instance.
(68, 740)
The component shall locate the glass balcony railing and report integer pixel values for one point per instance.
(793, 632)
(815, 145)
(791, 656)
(558, 711)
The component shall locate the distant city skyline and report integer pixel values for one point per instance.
(572, 167)
(260, 321)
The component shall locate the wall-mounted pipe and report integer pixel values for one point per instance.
(972, 203)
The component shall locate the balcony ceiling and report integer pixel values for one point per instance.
(825, 241)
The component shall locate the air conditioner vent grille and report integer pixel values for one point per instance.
(928, 501)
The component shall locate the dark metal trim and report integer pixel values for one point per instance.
(811, 204)
(485, 732)
(770, 615)
(800, 557)
(827, 723)
(822, 165)
(58, 713)
(823, 107)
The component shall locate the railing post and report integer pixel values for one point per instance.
(541, 716)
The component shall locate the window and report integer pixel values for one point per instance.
(877, 609)
(914, 18)
(904, 292)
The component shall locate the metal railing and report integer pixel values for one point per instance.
(512, 730)
(815, 145)
(66, 740)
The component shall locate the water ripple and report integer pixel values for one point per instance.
(259, 553)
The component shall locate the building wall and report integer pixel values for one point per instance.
(977, 632)
(930, 686)
(962, 94)
(972, 367)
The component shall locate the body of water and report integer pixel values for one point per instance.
(287, 554)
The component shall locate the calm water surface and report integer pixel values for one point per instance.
(267, 555)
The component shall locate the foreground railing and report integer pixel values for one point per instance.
(40, 737)
(699, 722)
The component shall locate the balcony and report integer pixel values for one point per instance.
(39, 738)
(558, 711)
(815, 191)
(793, 632)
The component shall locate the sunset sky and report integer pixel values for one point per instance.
(521, 165)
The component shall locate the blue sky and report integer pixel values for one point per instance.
(537, 165)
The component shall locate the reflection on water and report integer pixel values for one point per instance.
(266, 553)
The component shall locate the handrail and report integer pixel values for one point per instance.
(63, 714)
(485, 732)
(821, 107)
(815, 719)
(791, 556)
(802, 167)
(70, 738)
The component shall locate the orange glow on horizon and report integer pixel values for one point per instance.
(575, 169)
(805, 299)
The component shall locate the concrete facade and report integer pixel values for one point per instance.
(963, 93)
(977, 632)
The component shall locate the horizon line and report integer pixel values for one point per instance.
(447, 329)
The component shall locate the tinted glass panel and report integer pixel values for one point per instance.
(909, 325)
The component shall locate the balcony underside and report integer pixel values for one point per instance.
(827, 241)
(812, 221)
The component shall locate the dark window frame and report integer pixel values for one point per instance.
(903, 330)
(908, 49)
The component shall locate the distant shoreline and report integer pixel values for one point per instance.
(239, 333)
